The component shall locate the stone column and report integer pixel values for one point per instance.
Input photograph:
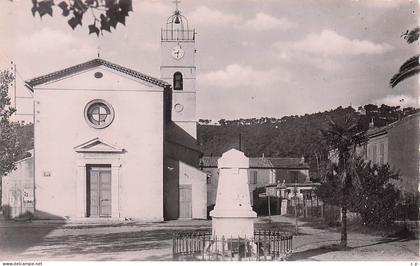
(283, 208)
(115, 189)
(81, 191)
(232, 215)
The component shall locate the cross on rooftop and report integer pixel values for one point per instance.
(176, 3)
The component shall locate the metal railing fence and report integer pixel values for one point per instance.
(263, 245)
(177, 35)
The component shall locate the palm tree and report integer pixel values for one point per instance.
(410, 67)
(342, 138)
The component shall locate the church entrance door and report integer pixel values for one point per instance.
(185, 199)
(99, 202)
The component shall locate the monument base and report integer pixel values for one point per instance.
(233, 227)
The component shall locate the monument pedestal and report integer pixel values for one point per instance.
(233, 216)
(241, 226)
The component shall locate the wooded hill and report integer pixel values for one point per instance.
(289, 136)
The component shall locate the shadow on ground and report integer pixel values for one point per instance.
(18, 236)
(102, 244)
(310, 253)
(280, 226)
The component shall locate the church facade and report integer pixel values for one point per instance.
(113, 142)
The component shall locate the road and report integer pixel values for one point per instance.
(112, 240)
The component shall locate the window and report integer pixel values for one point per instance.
(365, 152)
(254, 177)
(381, 153)
(370, 153)
(178, 82)
(99, 114)
(374, 153)
(293, 176)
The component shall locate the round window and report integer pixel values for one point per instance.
(99, 113)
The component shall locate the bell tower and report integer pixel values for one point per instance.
(178, 69)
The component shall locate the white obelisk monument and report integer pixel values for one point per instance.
(233, 216)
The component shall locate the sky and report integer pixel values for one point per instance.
(255, 58)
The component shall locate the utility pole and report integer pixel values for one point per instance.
(14, 83)
(296, 214)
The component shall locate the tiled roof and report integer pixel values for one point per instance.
(209, 161)
(260, 162)
(279, 162)
(263, 162)
(377, 131)
(91, 64)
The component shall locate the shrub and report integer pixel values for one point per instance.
(408, 209)
(372, 195)
(376, 199)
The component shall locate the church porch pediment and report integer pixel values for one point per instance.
(98, 73)
(97, 145)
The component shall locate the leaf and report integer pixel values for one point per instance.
(79, 6)
(121, 18)
(126, 5)
(79, 17)
(113, 22)
(410, 63)
(105, 25)
(63, 5)
(65, 12)
(410, 68)
(73, 22)
(45, 7)
(412, 36)
(34, 9)
(397, 78)
(109, 3)
(94, 29)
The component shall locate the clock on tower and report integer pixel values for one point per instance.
(178, 69)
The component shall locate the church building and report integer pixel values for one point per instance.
(113, 142)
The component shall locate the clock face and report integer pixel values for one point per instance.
(177, 52)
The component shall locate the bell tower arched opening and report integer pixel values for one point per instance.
(178, 81)
(178, 69)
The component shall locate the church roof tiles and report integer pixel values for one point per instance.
(91, 64)
(263, 162)
(378, 131)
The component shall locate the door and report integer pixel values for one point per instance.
(185, 201)
(15, 203)
(99, 192)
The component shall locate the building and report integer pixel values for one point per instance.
(398, 145)
(113, 142)
(17, 188)
(262, 172)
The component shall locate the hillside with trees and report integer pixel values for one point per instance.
(292, 136)
(289, 136)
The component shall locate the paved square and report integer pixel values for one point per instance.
(107, 240)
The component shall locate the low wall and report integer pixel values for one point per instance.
(18, 190)
(412, 226)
